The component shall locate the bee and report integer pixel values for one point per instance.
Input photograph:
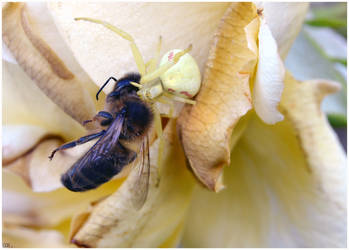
(128, 116)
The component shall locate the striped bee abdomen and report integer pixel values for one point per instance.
(92, 170)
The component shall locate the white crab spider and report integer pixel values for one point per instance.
(177, 77)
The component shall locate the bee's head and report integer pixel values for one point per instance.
(124, 82)
(124, 87)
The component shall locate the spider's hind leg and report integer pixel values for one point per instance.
(158, 130)
(168, 102)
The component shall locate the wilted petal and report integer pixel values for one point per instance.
(103, 53)
(206, 128)
(114, 222)
(286, 186)
(25, 39)
(269, 83)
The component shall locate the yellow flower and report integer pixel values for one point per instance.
(285, 185)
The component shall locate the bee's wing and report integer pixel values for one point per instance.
(83, 175)
(141, 187)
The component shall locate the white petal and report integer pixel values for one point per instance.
(17, 139)
(7, 55)
(269, 79)
(285, 21)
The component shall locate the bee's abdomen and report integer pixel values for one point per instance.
(98, 171)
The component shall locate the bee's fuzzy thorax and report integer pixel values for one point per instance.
(138, 119)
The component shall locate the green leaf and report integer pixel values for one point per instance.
(327, 22)
(337, 120)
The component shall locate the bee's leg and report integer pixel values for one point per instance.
(107, 118)
(81, 140)
(86, 121)
(151, 64)
(159, 71)
(135, 51)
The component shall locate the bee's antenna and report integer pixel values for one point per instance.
(105, 84)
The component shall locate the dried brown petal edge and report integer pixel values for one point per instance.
(206, 129)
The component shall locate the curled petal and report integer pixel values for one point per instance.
(286, 186)
(42, 63)
(322, 149)
(206, 129)
(18, 139)
(270, 74)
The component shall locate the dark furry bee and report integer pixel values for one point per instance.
(128, 115)
(126, 118)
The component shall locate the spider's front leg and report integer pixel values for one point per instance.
(135, 51)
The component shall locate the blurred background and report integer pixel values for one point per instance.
(320, 51)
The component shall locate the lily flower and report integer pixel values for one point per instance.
(254, 163)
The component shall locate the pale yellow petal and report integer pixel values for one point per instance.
(6, 54)
(26, 40)
(286, 186)
(269, 83)
(206, 128)
(114, 222)
(25, 104)
(30, 117)
(324, 153)
(41, 174)
(18, 139)
(21, 237)
(103, 53)
(23, 206)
